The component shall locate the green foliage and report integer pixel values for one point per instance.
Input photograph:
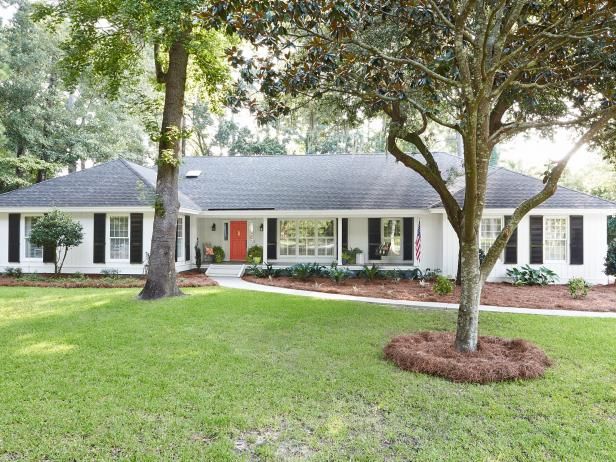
(305, 271)
(13, 272)
(266, 271)
(610, 259)
(59, 231)
(578, 287)
(255, 254)
(528, 276)
(219, 254)
(442, 286)
(111, 273)
(18, 172)
(611, 228)
(371, 273)
(338, 274)
(349, 256)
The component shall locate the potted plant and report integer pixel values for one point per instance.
(219, 254)
(255, 254)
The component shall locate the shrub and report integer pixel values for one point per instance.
(304, 271)
(348, 255)
(219, 254)
(371, 273)
(527, 276)
(78, 276)
(255, 254)
(338, 274)
(111, 273)
(58, 231)
(442, 286)
(266, 271)
(610, 259)
(578, 287)
(394, 275)
(13, 272)
(431, 274)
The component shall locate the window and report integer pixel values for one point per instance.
(179, 235)
(307, 238)
(392, 240)
(32, 251)
(119, 241)
(489, 230)
(555, 239)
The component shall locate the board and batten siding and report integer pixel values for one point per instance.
(595, 249)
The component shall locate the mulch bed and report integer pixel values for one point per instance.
(496, 359)
(65, 281)
(600, 297)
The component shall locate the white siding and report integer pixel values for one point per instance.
(595, 250)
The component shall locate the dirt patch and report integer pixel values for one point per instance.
(188, 279)
(495, 360)
(600, 297)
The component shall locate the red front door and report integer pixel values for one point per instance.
(238, 241)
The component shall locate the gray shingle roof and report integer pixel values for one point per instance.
(110, 184)
(334, 182)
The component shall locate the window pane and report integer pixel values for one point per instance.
(180, 227)
(392, 236)
(555, 238)
(118, 227)
(31, 251)
(288, 240)
(118, 238)
(489, 230)
(119, 248)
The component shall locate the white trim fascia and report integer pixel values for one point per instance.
(76, 209)
(336, 213)
(545, 211)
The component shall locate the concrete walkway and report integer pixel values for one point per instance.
(237, 283)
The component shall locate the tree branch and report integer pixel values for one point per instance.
(161, 75)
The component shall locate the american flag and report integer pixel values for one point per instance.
(418, 243)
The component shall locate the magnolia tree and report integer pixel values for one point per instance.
(486, 69)
(107, 41)
(58, 232)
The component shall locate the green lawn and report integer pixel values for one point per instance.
(229, 375)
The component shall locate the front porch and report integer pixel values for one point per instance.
(287, 239)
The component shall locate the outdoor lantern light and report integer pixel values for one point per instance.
(213, 226)
(261, 227)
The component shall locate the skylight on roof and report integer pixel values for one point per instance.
(193, 174)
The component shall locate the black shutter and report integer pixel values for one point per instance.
(536, 239)
(187, 238)
(407, 238)
(511, 249)
(14, 224)
(576, 240)
(136, 237)
(49, 254)
(345, 233)
(100, 220)
(374, 238)
(272, 233)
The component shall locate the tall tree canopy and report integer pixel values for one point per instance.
(487, 69)
(48, 128)
(106, 40)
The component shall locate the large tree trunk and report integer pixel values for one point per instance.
(472, 284)
(161, 281)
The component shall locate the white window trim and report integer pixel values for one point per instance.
(108, 237)
(543, 246)
(180, 240)
(23, 239)
(297, 256)
(502, 225)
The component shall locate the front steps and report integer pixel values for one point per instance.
(226, 271)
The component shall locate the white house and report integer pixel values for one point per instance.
(303, 209)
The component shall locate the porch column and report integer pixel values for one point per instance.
(339, 241)
(264, 241)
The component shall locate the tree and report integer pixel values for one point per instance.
(59, 232)
(487, 70)
(106, 40)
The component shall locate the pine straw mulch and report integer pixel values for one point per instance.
(496, 359)
(600, 297)
(188, 279)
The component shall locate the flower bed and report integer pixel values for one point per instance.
(600, 297)
(67, 281)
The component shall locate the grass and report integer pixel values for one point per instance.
(93, 374)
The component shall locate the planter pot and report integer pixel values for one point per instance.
(359, 259)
